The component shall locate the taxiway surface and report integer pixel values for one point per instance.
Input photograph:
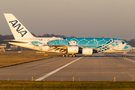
(99, 67)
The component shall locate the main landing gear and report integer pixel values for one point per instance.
(69, 55)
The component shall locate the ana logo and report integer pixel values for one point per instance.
(18, 27)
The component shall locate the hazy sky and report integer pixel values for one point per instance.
(82, 18)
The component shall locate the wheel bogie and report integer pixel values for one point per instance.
(69, 55)
(64, 55)
(123, 55)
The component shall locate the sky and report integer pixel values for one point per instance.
(80, 18)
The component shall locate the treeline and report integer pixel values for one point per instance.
(50, 35)
(5, 37)
(131, 42)
(8, 37)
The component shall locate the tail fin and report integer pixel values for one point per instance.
(18, 30)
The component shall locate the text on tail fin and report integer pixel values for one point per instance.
(18, 27)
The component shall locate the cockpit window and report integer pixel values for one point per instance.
(123, 42)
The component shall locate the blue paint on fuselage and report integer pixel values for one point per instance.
(36, 43)
(126, 47)
(58, 42)
(84, 42)
(99, 44)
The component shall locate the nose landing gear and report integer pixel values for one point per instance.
(124, 54)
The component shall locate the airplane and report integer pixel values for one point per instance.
(68, 46)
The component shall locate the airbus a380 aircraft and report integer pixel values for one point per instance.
(66, 45)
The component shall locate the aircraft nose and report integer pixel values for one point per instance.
(128, 47)
(131, 48)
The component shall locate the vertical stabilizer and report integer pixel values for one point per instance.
(18, 30)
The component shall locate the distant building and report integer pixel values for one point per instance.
(12, 47)
(3, 47)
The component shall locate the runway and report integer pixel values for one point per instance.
(98, 67)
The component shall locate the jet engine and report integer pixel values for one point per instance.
(72, 50)
(87, 51)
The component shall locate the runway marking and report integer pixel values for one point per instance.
(129, 60)
(58, 69)
(124, 71)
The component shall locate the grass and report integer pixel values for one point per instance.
(10, 58)
(9, 61)
(13, 58)
(27, 53)
(66, 85)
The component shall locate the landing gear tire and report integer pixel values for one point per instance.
(65, 55)
(73, 55)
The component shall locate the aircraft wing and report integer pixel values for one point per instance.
(60, 48)
(63, 48)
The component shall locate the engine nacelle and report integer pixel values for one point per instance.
(87, 51)
(72, 50)
(45, 48)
